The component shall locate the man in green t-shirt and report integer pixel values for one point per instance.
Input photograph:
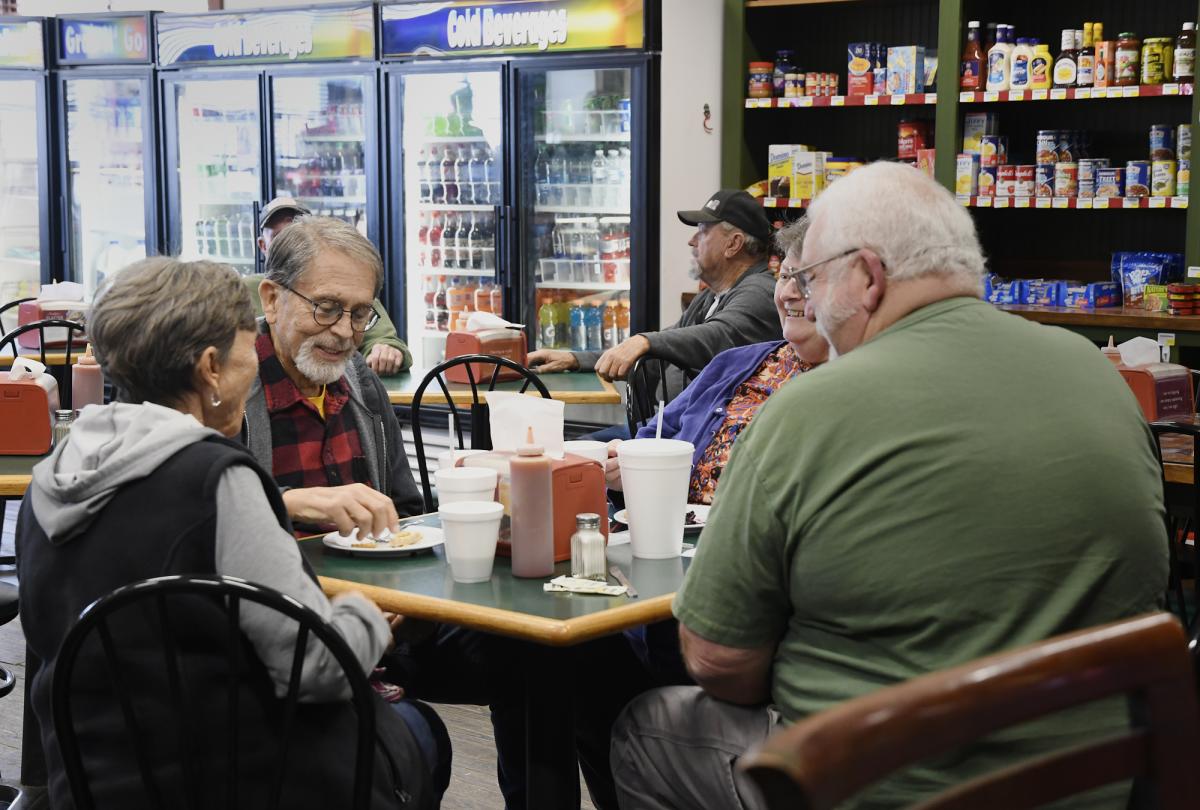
(959, 481)
(382, 348)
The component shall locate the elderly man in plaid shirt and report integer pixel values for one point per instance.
(318, 418)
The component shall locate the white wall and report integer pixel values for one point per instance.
(691, 158)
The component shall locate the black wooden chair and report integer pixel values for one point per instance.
(647, 384)
(481, 433)
(832, 756)
(148, 601)
(75, 337)
(16, 302)
(1183, 507)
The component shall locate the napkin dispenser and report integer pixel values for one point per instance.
(578, 487)
(1163, 390)
(25, 410)
(507, 343)
(56, 336)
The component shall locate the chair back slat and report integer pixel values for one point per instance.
(647, 379)
(125, 698)
(1180, 517)
(170, 653)
(826, 759)
(228, 591)
(11, 305)
(478, 409)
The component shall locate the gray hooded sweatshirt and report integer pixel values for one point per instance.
(112, 445)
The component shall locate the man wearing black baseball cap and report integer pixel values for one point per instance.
(383, 349)
(729, 254)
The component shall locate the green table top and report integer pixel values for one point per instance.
(15, 472)
(573, 387)
(421, 586)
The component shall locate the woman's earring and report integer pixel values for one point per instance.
(216, 399)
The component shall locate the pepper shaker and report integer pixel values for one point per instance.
(587, 548)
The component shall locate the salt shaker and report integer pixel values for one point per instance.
(587, 548)
(62, 426)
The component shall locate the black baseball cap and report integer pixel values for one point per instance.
(278, 205)
(735, 207)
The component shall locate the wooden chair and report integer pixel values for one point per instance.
(648, 383)
(1183, 506)
(830, 757)
(147, 604)
(481, 436)
(11, 305)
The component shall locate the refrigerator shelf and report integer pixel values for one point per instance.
(428, 139)
(328, 201)
(334, 138)
(450, 271)
(580, 209)
(615, 137)
(454, 207)
(581, 285)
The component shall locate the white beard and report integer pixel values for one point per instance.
(694, 271)
(830, 318)
(320, 371)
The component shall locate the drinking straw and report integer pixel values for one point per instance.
(658, 431)
(453, 441)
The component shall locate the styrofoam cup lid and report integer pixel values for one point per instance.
(461, 479)
(471, 511)
(655, 448)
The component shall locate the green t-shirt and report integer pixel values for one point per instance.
(384, 331)
(965, 482)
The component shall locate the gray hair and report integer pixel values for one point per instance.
(915, 225)
(151, 322)
(297, 246)
(752, 246)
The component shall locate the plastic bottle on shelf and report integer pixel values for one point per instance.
(1000, 60)
(479, 191)
(593, 324)
(435, 240)
(483, 298)
(201, 241)
(615, 181)
(450, 242)
(462, 177)
(1041, 66)
(448, 179)
(558, 175)
(541, 176)
(491, 177)
(474, 245)
(562, 321)
(245, 235)
(1022, 59)
(626, 174)
(87, 381)
(608, 325)
(547, 326)
(1066, 66)
(497, 299)
(531, 491)
(1085, 72)
(971, 70)
(599, 178)
(487, 246)
(423, 229)
(439, 304)
(578, 328)
(430, 306)
(622, 321)
(437, 189)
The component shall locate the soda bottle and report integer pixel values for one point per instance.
(483, 299)
(498, 301)
(450, 243)
(479, 191)
(491, 179)
(447, 172)
(578, 329)
(462, 177)
(623, 322)
(423, 231)
(430, 306)
(608, 336)
(562, 321)
(437, 189)
(541, 176)
(592, 323)
(435, 240)
(547, 338)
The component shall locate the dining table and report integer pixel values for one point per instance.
(15, 475)
(421, 586)
(570, 387)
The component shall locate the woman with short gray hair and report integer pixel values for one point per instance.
(154, 486)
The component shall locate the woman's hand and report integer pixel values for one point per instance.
(612, 467)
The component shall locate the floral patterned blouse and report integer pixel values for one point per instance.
(776, 368)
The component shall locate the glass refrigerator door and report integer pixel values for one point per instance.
(320, 145)
(107, 180)
(218, 170)
(20, 226)
(453, 186)
(577, 239)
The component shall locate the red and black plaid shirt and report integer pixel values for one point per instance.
(308, 451)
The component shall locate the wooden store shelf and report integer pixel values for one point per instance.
(1109, 317)
(1111, 203)
(802, 102)
(1076, 93)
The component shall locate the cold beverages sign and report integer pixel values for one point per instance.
(523, 26)
(96, 40)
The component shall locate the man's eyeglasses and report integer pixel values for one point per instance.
(803, 277)
(328, 312)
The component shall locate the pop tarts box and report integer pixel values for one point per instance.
(860, 74)
(1096, 294)
(1042, 293)
(905, 70)
(1134, 270)
(997, 290)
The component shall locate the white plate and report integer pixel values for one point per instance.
(430, 536)
(700, 510)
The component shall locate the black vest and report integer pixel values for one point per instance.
(166, 524)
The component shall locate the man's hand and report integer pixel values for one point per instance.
(548, 361)
(347, 507)
(385, 360)
(612, 467)
(617, 362)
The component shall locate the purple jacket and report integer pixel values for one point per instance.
(696, 414)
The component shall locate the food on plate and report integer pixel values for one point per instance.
(404, 538)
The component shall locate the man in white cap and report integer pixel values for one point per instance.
(383, 349)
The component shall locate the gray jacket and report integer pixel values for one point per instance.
(378, 433)
(746, 314)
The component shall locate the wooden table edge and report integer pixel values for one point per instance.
(13, 486)
(1178, 473)
(551, 632)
